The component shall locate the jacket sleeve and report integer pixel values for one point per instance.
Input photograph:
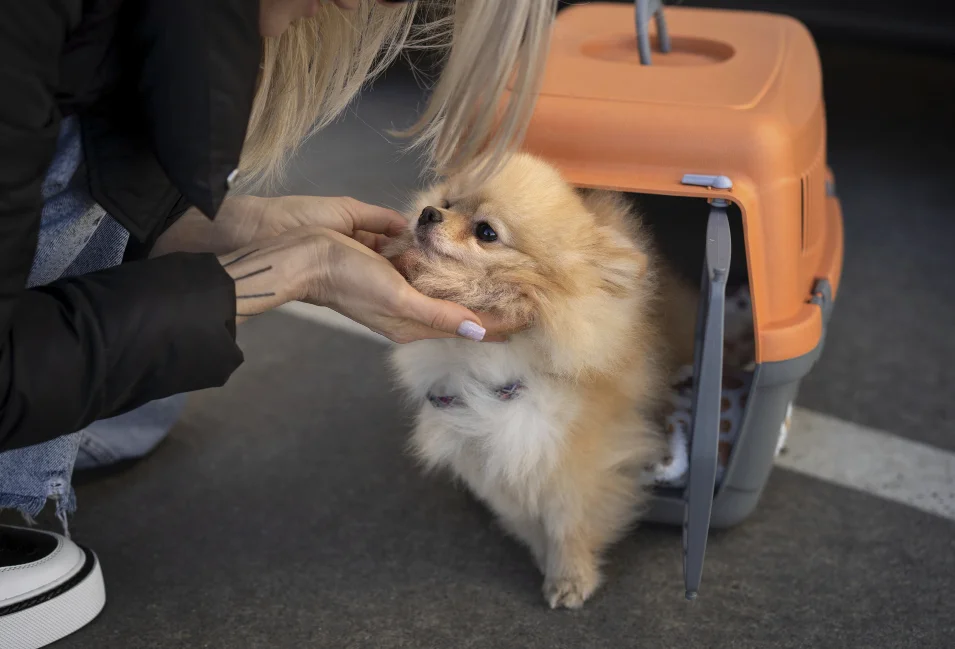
(98, 345)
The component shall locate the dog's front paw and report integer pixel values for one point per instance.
(570, 591)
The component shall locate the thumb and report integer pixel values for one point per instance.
(445, 316)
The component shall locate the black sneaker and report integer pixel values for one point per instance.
(49, 587)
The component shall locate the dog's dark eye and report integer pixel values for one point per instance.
(485, 232)
(445, 204)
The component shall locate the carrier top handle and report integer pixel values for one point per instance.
(708, 385)
(645, 9)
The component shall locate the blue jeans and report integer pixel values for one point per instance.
(77, 237)
(31, 476)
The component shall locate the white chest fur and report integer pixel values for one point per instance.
(497, 446)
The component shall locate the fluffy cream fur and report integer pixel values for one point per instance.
(561, 463)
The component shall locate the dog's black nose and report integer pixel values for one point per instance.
(429, 216)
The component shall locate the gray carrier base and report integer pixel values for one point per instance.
(774, 387)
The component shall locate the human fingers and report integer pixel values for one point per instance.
(376, 242)
(372, 218)
(500, 328)
(441, 315)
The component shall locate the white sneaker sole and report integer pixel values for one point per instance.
(57, 613)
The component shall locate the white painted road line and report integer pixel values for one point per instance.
(330, 318)
(873, 461)
(819, 446)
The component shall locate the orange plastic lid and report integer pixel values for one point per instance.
(739, 95)
(718, 59)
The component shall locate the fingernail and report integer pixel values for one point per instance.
(471, 331)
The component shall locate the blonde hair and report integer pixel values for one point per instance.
(311, 73)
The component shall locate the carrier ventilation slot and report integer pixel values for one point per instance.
(812, 187)
(805, 205)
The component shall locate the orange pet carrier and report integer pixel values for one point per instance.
(725, 107)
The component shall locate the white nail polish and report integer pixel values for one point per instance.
(472, 331)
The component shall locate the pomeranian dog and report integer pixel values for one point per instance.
(553, 429)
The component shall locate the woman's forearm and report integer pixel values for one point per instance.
(234, 226)
(160, 326)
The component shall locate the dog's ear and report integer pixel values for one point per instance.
(614, 251)
(621, 264)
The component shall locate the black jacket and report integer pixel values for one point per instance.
(163, 90)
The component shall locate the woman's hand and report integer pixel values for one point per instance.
(243, 220)
(363, 286)
(325, 267)
(323, 251)
(367, 224)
